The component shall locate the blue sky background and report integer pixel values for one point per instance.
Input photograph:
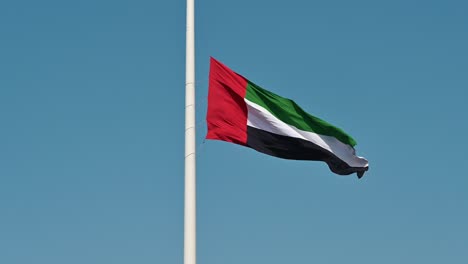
(92, 132)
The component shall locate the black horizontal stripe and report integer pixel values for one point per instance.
(297, 149)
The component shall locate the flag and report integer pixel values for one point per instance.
(241, 112)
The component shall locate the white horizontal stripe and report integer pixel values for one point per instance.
(260, 118)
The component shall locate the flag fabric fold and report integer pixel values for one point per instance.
(241, 112)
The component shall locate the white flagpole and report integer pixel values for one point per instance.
(190, 256)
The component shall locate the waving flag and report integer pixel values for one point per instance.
(241, 112)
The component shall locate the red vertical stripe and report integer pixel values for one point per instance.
(227, 112)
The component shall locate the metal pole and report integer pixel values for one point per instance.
(190, 256)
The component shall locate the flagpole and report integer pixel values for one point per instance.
(190, 256)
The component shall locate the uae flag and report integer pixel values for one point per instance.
(241, 112)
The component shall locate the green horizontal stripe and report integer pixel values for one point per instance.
(292, 114)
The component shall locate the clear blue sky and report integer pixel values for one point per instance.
(92, 132)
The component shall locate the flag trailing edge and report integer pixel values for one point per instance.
(243, 113)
